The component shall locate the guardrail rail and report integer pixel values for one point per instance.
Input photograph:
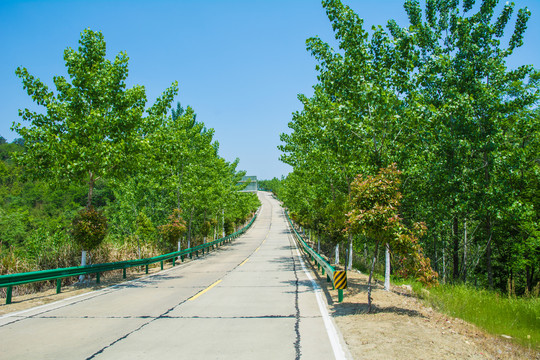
(338, 278)
(10, 280)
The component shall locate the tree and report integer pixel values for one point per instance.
(93, 126)
(473, 100)
(355, 122)
(374, 204)
(438, 99)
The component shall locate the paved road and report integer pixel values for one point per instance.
(248, 300)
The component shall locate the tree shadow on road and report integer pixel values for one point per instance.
(355, 287)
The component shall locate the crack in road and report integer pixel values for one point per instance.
(297, 346)
(165, 316)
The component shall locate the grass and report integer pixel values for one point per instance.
(496, 314)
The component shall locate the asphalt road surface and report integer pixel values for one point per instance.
(252, 299)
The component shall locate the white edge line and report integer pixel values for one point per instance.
(331, 330)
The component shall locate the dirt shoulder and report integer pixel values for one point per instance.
(401, 327)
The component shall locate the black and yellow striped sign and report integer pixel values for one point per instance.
(340, 279)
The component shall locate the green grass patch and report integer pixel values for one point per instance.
(495, 313)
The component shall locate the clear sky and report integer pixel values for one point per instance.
(239, 63)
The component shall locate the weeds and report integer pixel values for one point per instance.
(62, 253)
(518, 317)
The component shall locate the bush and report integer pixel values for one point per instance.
(89, 228)
(176, 227)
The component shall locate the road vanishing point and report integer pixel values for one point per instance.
(252, 299)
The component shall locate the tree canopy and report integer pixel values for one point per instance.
(437, 99)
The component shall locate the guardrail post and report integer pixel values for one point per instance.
(161, 264)
(147, 268)
(124, 275)
(98, 279)
(58, 285)
(9, 292)
(340, 283)
(182, 258)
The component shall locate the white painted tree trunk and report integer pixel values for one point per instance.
(179, 248)
(349, 267)
(318, 243)
(83, 263)
(387, 269)
(337, 254)
(222, 223)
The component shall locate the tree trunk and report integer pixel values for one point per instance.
(444, 264)
(371, 276)
(318, 243)
(138, 246)
(83, 263)
(179, 247)
(529, 275)
(337, 255)
(223, 222)
(488, 251)
(455, 253)
(189, 226)
(349, 267)
(387, 268)
(365, 252)
(91, 182)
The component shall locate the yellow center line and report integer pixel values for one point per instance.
(205, 290)
(243, 262)
(257, 249)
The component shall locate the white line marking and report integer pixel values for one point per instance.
(91, 294)
(339, 353)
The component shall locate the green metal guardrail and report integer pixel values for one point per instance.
(327, 269)
(8, 281)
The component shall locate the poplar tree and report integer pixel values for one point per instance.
(92, 126)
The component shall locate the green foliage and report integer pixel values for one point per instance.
(374, 204)
(274, 185)
(205, 228)
(89, 228)
(145, 228)
(229, 226)
(437, 99)
(95, 144)
(92, 126)
(172, 231)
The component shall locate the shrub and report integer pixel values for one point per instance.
(89, 228)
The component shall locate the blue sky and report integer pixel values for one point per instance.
(239, 64)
